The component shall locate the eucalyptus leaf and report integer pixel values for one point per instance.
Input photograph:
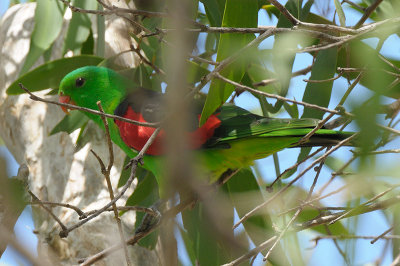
(79, 27)
(51, 73)
(238, 13)
(71, 122)
(48, 23)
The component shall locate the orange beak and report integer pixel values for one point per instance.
(65, 99)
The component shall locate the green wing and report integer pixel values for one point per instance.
(244, 137)
(238, 123)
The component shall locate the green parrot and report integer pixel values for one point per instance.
(231, 138)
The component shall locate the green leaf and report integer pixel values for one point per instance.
(188, 246)
(292, 110)
(340, 13)
(238, 13)
(50, 74)
(142, 76)
(48, 24)
(271, 10)
(146, 187)
(314, 18)
(366, 119)
(396, 230)
(125, 173)
(320, 93)
(85, 136)
(195, 72)
(79, 27)
(284, 47)
(335, 163)
(214, 10)
(145, 194)
(88, 45)
(202, 233)
(245, 182)
(71, 122)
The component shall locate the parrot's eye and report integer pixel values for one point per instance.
(79, 82)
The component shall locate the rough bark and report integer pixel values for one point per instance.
(57, 173)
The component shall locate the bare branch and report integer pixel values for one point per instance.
(367, 13)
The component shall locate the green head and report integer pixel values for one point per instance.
(87, 85)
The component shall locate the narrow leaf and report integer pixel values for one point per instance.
(70, 122)
(320, 93)
(238, 13)
(79, 27)
(48, 23)
(340, 13)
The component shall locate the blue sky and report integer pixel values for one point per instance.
(325, 251)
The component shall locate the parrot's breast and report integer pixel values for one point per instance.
(136, 136)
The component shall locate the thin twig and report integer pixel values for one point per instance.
(63, 227)
(251, 253)
(299, 210)
(294, 167)
(381, 235)
(106, 172)
(317, 199)
(340, 237)
(65, 205)
(346, 213)
(274, 80)
(274, 96)
(145, 60)
(323, 80)
(285, 12)
(331, 217)
(127, 208)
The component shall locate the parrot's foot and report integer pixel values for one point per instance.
(150, 221)
(137, 160)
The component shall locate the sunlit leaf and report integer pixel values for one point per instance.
(238, 13)
(79, 26)
(70, 122)
(48, 23)
(340, 13)
(50, 74)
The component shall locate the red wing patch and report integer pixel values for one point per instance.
(136, 136)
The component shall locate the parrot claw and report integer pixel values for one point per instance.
(150, 221)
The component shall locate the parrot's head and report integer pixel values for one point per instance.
(87, 85)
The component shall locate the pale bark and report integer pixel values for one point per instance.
(57, 173)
